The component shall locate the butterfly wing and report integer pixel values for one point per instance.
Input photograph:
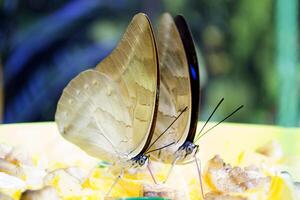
(191, 55)
(110, 112)
(91, 112)
(175, 89)
(115, 118)
(133, 65)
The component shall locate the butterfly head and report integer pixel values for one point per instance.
(141, 159)
(187, 149)
(190, 147)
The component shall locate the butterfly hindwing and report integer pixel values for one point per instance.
(88, 102)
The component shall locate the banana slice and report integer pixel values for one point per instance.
(11, 169)
(64, 182)
(19, 156)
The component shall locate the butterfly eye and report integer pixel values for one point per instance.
(142, 160)
(189, 149)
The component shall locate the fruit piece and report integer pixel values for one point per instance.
(46, 193)
(225, 178)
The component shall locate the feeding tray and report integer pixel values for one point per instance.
(230, 141)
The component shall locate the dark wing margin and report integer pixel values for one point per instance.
(152, 129)
(191, 56)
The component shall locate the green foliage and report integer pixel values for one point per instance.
(237, 40)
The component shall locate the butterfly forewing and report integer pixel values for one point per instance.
(133, 65)
(175, 90)
(109, 112)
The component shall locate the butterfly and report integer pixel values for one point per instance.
(110, 111)
(179, 89)
(179, 95)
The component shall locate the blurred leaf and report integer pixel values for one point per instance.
(235, 92)
(106, 32)
(174, 6)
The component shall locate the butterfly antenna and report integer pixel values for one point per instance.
(167, 128)
(160, 148)
(213, 112)
(220, 122)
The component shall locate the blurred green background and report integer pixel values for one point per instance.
(248, 52)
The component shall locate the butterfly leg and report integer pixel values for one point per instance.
(171, 169)
(185, 155)
(150, 171)
(115, 182)
(199, 174)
